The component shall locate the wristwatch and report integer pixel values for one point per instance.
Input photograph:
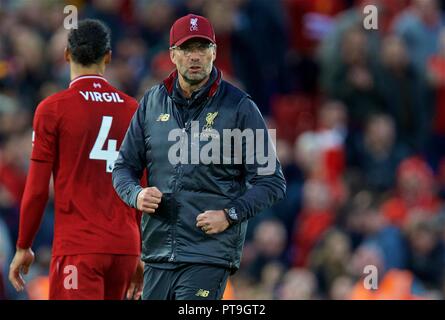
(231, 215)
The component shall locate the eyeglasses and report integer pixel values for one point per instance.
(201, 48)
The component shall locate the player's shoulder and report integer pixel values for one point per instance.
(127, 98)
(51, 102)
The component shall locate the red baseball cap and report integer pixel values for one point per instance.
(191, 26)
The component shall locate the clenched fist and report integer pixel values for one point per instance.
(149, 199)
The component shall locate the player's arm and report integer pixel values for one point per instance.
(36, 192)
(33, 205)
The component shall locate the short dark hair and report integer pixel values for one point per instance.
(89, 42)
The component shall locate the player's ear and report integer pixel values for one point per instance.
(107, 57)
(67, 55)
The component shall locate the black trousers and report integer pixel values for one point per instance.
(184, 282)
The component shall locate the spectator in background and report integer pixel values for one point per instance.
(57, 68)
(414, 193)
(269, 244)
(332, 132)
(333, 118)
(364, 223)
(377, 154)
(308, 155)
(112, 13)
(390, 240)
(160, 67)
(27, 45)
(316, 217)
(350, 217)
(265, 260)
(320, 153)
(130, 65)
(309, 21)
(330, 47)
(298, 284)
(354, 79)
(426, 257)
(329, 260)
(404, 93)
(419, 26)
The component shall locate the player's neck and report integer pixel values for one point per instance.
(78, 71)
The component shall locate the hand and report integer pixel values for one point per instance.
(149, 199)
(212, 221)
(23, 259)
(135, 289)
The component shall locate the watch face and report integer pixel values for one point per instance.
(232, 214)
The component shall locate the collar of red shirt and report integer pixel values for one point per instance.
(86, 77)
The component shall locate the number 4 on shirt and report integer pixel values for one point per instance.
(110, 154)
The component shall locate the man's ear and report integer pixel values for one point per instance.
(67, 55)
(107, 57)
(214, 53)
(172, 56)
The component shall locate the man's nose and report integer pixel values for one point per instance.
(194, 55)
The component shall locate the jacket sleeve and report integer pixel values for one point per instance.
(261, 168)
(131, 161)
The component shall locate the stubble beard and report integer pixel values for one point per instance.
(196, 78)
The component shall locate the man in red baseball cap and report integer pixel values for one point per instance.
(193, 51)
(194, 238)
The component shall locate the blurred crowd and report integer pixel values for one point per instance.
(360, 118)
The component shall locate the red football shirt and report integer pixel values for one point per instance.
(79, 131)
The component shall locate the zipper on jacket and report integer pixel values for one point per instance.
(175, 221)
(172, 256)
